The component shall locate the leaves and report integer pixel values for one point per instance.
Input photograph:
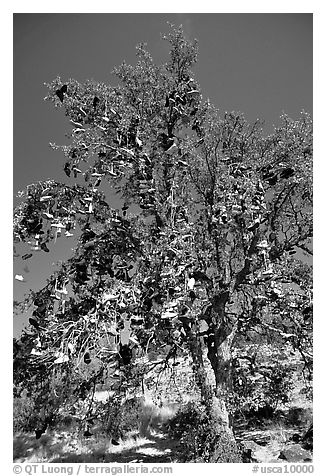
(208, 215)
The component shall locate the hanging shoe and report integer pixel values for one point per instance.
(36, 352)
(61, 359)
(169, 315)
(263, 244)
(172, 150)
(35, 248)
(44, 247)
(287, 173)
(47, 215)
(62, 291)
(96, 174)
(39, 433)
(58, 225)
(46, 198)
(254, 225)
(34, 323)
(191, 283)
(194, 93)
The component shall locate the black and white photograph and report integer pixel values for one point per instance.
(162, 240)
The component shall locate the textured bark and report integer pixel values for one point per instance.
(221, 332)
(220, 358)
(196, 350)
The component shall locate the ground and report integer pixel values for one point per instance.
(265, 439)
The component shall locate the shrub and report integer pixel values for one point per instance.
(25, 417)
(199, 438)
(262, 380)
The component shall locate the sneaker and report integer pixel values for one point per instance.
(61, 359)
(193, 93)
(62, 291)
(169, 315)
(191, 283)
(36, 352)
(173, 149)
(268, 272)
(57, 225)
(55, 296)
(109, 297)
(96, 174)
(47, 215)
(44, 247)
(263, 244)
(45, 198)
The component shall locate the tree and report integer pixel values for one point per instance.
(200, 252)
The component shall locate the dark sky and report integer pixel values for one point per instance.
(259, 64)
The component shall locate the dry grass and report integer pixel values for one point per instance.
(67, 448)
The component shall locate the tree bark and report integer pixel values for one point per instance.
(220, 336)
(219, 353)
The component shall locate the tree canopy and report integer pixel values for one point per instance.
(205, 250)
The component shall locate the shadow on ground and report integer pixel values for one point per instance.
(154, 449)
(25, 445)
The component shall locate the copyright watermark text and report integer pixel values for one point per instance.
(77, 469)
(284, 469)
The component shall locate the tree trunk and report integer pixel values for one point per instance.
(225, 449)
(220, 336)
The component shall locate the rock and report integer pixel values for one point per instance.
(261, 438)
(307, 439)
(295, 438)
(299, 416)
(247, 456)
(250, 445)
(295, 454)
(265, 454)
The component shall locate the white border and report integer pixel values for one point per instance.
(315, 7)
